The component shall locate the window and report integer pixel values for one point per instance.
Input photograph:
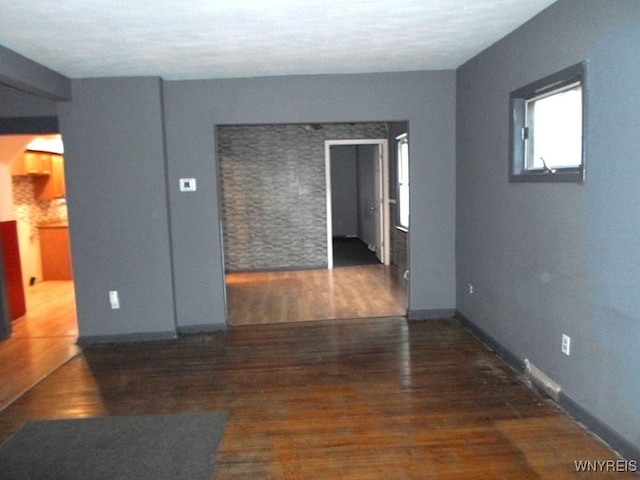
(548, 128)
(402, 146)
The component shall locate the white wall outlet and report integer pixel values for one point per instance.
(566, 344)
(471, 289)
(187, 184)
(114, 299)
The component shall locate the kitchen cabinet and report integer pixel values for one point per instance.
(32, 163)
(52, 186)
(55, 251)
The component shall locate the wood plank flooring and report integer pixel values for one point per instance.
(344, 399)
(41, 341)
(307, 295)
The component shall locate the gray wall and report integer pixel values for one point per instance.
(344, 190)
(23, 74)
(194, 108)
(14, 103)
(113, 131)
(547, 259)
(117, 203)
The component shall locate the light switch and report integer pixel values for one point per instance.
(187, 184)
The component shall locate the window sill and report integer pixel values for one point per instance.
(402, 229)
(572, 176)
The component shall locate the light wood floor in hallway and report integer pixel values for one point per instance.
(307, 295)
(42, 340)
(360, 399)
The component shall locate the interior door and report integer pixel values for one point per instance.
(366, 195)
(378, 202)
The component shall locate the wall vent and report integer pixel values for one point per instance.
(541, 381)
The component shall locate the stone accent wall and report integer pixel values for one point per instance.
(273, 190)
(398, 244)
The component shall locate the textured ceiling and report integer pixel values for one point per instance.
(178, 39)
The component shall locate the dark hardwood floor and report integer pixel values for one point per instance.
(351, 399)
(350, 252)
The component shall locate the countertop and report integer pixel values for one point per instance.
(56, 224)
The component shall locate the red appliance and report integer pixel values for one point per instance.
(13, 270)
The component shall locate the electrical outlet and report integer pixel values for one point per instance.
(188, 185)
(471, 289)
(114, 299)
(566, 344)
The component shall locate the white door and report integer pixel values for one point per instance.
(378, 203)
(372, 187)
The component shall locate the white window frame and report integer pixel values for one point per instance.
(403, 181)
(522, 168)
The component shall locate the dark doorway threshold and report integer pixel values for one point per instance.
(349, 252)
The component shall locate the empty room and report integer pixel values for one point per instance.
(217, 332)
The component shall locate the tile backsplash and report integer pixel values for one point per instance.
(30, 211)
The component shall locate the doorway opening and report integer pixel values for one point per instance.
(36, 246)
(357, 186)
(276, 214)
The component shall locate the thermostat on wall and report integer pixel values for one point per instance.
(187, 184)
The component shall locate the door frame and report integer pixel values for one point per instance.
(383, 201)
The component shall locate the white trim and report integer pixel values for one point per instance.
(386, 216)
(383, 179)
(401, 181)
(327, 170)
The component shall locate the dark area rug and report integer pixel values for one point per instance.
(350, 252)
(141, 447)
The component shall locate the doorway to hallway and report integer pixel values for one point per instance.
(276, 217)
